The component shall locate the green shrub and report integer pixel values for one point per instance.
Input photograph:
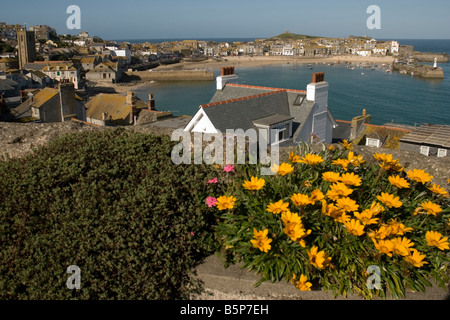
(112, 203)
(330, 220)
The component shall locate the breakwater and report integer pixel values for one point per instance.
(172, 75)
(424, 71)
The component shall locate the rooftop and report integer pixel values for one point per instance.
(431, 134)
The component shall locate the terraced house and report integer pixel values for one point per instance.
(63, 72)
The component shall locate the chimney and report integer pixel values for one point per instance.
(131, 101)
(227, 75)
(357, 124)
(151, 102)
(317, 90)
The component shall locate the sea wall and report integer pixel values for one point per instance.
(172, 75)
(423, 71)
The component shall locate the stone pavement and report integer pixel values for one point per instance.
(235, 283)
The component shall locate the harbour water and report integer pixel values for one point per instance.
(388, 97)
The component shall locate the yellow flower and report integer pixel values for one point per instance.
(300, 200)
(294, 157)
(312, 159)
(316, 195)
(366, 217)
(254, 183)
(430, 208)
(387, 162)
(282, 169)
(318, 259)
(342, 163)
(295, 231)
(355, 160)
(288, 217)
(381, 233)
(338, 190)
(437, 189)
(415, 258)
(347, 145)
(224, 202)
(351, 179)
(384, 246)
(278, 207)
(331, 176)
(302, 284)
(390, 200)
(354, 227)
(419, 176)
(347, 204)
(401, 246)
(397, 228)
(261, 241)
(435, 239)
(398, 182)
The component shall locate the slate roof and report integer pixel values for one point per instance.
(429, 134)
(247, 103)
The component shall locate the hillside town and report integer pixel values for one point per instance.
(46, 77)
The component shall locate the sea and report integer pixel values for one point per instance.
(387, 97)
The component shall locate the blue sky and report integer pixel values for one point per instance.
(139, 19)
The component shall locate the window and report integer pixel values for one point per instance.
(442, 153)
(298, 101)
(425, 150)
(371, 142)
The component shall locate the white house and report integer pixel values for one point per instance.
(289, 115)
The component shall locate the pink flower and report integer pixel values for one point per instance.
(192, 233)
(211, 202)
(228, 168)
(213, 180)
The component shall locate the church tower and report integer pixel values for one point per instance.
(27, 46)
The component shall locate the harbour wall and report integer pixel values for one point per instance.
(172, 75)
(423, 71)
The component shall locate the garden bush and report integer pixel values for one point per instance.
(111, 203)
(333, 221)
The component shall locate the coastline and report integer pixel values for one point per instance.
(248, 61)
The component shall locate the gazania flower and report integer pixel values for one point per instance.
(419, 176)
(278, 207)
(295, 231)
(347, 204)
(261, 241)
(366, 217)
(312, 159)
(384, 246)
(254, 184)
(351, 179)
(338, 214)
(331, 176)
(398, 182)
(342, 163)
(437, 189)
(397, 228)
(302, 284)
(415, 258)
(318, 259)
(282, 169)
(347, 145)
(355, 160)
(381, 233)
(338, 190)
(401, 246)
(301, 200)
(288, 217)
(354, 227)
(316, 195)
(294, 157)
(387, 162)
(435, 239)
(390, 200)
(430, 208)
(224, 202)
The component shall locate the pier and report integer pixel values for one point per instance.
(419, 70)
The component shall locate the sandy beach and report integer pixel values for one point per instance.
(248, 61)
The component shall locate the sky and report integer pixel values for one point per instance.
(196, 19)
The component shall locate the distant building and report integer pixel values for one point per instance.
(105, 71)
(8, 64)
(52, 105)
(114, 109)
(27, 46)
(63, 72)
(429, 140)
(288, 116)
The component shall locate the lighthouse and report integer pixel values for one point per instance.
(435, 63)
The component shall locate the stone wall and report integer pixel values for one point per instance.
(187, 75)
